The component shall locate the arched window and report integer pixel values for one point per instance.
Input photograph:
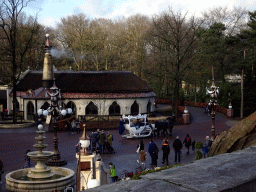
(135, 108)
(30, 111)
(114, 109)
(148, 107)
(71, 105)
(45, 106)
(91, 109)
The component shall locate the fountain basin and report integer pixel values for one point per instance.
(18, 181)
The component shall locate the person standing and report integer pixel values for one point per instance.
(193, 145)
(77, 127)
(68, 126)
(102, 138)
(97, 137)
(207, 146)
(121, 126)
(187, 142)
(1, 170)
(112, 172)
(27, 159)
(177, 145)
(208, 141)
(205, 150)
(153, 151)
(109, 139)
(73, 125)
(94, 140)
(166, 151)
(141, 146)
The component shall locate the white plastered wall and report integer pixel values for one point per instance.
(102, 104)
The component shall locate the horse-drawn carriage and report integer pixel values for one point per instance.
(137, 126)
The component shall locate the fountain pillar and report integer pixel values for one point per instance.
(41, 171)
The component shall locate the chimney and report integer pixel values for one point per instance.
(48, 68)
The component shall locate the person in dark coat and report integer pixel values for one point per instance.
(193, 145)
(68, 125)
(166, 151)
(27, 159)
(94, 140)
(102, 139)
(187, 142)
(153, 151)
(121, 126)
(177, 145)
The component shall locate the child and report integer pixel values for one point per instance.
(205, 150)
(142, 156)
(112, 172)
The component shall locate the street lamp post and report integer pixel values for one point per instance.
(213, 91)
(52, 113)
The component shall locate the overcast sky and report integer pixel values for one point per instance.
(50, 11)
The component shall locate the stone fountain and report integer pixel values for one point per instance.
(41, 177)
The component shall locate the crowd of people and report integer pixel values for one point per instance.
(100, 142)
(177, 146)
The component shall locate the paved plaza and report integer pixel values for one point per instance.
(15, 142)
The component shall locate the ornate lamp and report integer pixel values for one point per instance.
(54, 111)
(213, 92)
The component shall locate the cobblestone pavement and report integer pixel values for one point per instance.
(15, 142)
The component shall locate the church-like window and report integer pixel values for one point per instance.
(135, 108)
(91, 109)
(30, 111)
(114, 109)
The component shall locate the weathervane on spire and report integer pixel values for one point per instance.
(48, 44)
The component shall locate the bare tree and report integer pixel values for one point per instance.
(178, 36)
(136, 28)
(16, 39)
(234, 19)
(74, 35)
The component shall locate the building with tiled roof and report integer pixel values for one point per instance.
(86, 92)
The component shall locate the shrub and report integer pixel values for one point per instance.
(137, 176)
(199, 155)
(199, 145)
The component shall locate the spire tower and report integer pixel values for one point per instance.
(48, 68)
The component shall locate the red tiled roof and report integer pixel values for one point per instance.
(88, 82)
(41, 94)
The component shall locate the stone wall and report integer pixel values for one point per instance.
(229, 172)
(241, 136)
